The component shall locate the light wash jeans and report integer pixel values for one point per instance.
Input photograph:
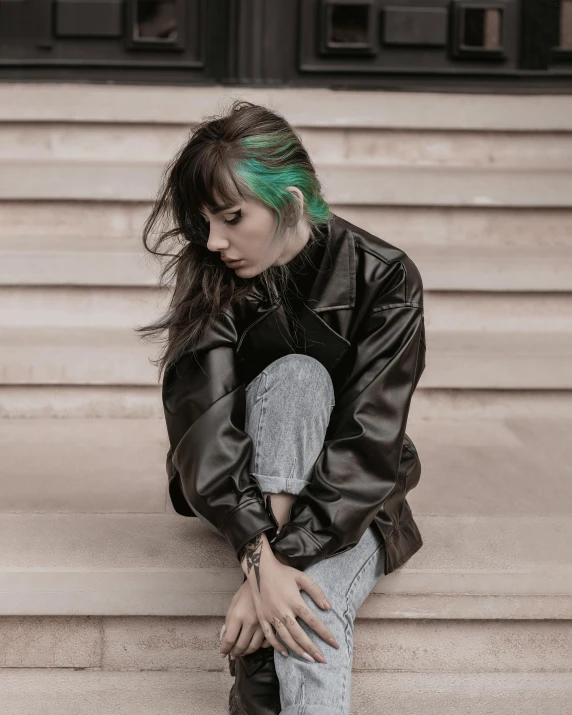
(287, 413)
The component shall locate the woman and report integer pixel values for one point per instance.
(288, 373)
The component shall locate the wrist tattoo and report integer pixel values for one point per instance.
(253, 550)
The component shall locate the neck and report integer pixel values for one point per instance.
(302, 236)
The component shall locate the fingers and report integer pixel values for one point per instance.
(244, 639)
(312, 589)
(271, 638)
(311, 619)
(290, 631)
(307, 615)
(229, 636)
(254, 645)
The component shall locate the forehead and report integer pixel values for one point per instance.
(220, 208)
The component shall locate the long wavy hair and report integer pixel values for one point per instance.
(249, 153)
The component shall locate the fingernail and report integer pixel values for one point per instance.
(233, 657)
(308, 657)
(327, 605)
(334, 642)
(223, 655)
(284, 653)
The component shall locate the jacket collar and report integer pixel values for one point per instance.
(335, 283)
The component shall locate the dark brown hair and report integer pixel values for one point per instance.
(249, 153)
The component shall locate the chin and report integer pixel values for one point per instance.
(243, 270)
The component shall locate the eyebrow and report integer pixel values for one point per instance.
(224, 207)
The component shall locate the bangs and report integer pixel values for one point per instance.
(208, 182)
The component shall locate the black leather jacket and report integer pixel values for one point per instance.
(363, 320)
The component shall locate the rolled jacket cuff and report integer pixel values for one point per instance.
(246, 522)
(299, 546)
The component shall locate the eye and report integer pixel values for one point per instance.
(232, 222)
(236, 219)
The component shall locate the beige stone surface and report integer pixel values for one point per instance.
(326, 145)
(72, 355)
(137, 643)
(144, 402)
(421, 645)
(344, 183)
(486, 467)
(83, 465)
(74, 224)
(100, 263)
(128, 307)
(83, 401)
(50, 642)
(179, 693)
(315, 106)
(167, 565)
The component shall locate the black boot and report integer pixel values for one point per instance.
(256, 688)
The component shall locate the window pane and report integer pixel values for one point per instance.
(348, 25)
(566, 24)
(155, 21)
(482, 28)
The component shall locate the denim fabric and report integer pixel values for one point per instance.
(288, 408)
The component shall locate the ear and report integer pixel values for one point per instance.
(300, 198)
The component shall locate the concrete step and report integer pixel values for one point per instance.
(83, 465)
(75, 261)
(303, 107)
(444, 267)
(116, 143)
(495, 269)
(72, 225)
(94, 693)
(73, 355)
(167, 565)
(473, 359)
(343, 184)
(144, 402)
(113, 307)
(152, 643)
(116, 307)
(114, 465)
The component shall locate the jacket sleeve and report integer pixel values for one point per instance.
(204, 404)
(357, 469)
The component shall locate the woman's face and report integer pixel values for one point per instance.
(243, 231)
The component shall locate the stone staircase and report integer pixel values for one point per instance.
(112, 603)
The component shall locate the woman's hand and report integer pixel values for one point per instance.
(241, 633)
(275, 590)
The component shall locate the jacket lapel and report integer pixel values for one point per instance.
(335, 284)
(268, 338)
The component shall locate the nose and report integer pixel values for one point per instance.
(215, 243)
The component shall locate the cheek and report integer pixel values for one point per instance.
(255, 238)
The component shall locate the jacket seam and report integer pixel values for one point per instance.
(383, 259)
(400, 526)
(410, 452)
(314, 539)
(415, 547)
(405, 304)
(235, 510)
(395, 485)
